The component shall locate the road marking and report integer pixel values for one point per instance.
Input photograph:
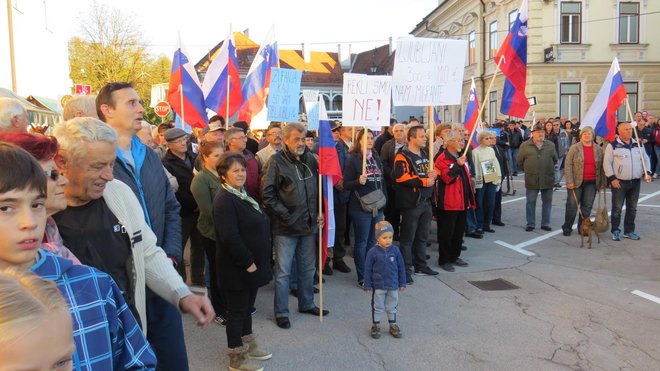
(646, 296)
(514, 248)
(513, 200)
(648, 205)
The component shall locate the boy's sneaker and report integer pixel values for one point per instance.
(375, 331)
(395, 331)
(616, 235)
(220, 320)
(409, 279)
(631, 235)
(426, 271)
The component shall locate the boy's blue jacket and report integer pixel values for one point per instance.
(384, 269)
(106, 335)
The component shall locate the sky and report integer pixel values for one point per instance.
(43, 27)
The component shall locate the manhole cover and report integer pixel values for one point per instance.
(494, 285)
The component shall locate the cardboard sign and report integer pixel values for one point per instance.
(428, 72)
(310, 97)
(283, 94)
(488, 169)
(366, 100)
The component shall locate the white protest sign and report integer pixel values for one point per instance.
(428, 72)
(310, 97)
(366, 100)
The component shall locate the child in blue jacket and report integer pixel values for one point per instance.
(384, 277)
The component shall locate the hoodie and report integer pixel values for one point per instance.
(106, 335)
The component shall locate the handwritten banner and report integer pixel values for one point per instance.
(428, 72)
(310, 97)
(366, 100)
(283, 94)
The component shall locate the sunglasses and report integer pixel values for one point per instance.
(53, 174)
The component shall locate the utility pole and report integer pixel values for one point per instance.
(11, 46)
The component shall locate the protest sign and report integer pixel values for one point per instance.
(310, 97)
(366, 100)
(428, 72)
(284, 94)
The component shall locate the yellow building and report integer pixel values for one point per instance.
(571, 45)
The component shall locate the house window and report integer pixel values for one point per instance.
(492, 37)
(472, 42)
(571, 14)
(569, 99)
(628, 23)
(492, 107)
(512, 18)
(622, 113)
(337, 103)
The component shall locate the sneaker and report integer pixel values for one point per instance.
(220, 321)
(616, 235)
(529, 228)
(253, 311)
(395, 331)
(360, 284)
(375, 331)
(409, 279)
(631, 235)
(460, 262)
(426, 271)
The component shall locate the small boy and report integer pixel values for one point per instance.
(384, 277)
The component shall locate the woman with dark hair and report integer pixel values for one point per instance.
(43, 149)
(361, 184)
(243, 251)
(572, 132)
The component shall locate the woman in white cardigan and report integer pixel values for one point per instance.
(488, 176)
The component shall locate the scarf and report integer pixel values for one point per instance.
(242, 195)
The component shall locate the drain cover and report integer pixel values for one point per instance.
(494, 285)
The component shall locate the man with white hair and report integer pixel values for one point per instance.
(13, 116)
(105, 227)
(80, 106)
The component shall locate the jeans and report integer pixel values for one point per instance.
(485, 205)
(239, 319)
(546, 206)
(471, 222)
(415, 226)
(365, 236)
(585, 194)
(629, 192)
(166, 334)
(558, 170)
(286, 247)
(384, 301)
(657, 159)
(513, 154)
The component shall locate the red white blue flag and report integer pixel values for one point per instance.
(514, 66)
(185, 93)
(222, 83)
(257, 81)
(471, 114)
(330, 172)
(602, 113)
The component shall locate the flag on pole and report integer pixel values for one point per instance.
(257, 81)
(471, 115)
(436, 117)
(184, 81)
(330, 172)
(224, 66)
(602, 113)
(514, 66)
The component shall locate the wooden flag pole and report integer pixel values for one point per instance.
(485, 103)
(639, 144)
(321, 262)
(430, 135)
(364, 151)
(183, 120)
(228, 95)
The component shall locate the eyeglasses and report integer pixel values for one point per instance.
(306, 171)
(240, 138)
(53, 174)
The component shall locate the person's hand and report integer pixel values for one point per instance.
(199, 307)
(402, 289)
(647, 178)
(320, 220)
(252, 268)
(615, 184)
(340, 185)
(363, 179)
(432, 176)
(461, 160)
(569, 185)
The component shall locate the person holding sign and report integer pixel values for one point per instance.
(414, 187)
(488, 176)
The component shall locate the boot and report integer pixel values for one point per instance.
(255, 352)
(238, 360)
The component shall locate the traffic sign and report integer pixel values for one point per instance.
(162, 109)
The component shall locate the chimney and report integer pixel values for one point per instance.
(344, 58)
(246, 32)
(307, 53)
(391, 46)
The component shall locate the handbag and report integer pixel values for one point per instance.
(602, 223)
(372, 201)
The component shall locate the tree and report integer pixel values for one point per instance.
(111, 48)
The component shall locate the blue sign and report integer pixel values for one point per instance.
(284, 94)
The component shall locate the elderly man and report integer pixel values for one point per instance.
(80, 106)
(104, 226)
(13, 116)
(140, 168)
(236, 142)
(622, 163)
(290, 192)
(274, 139)
(537, 157)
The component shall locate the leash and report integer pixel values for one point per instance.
(577, 203)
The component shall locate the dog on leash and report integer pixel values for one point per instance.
(586, 228)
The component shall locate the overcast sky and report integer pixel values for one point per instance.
(43, 27)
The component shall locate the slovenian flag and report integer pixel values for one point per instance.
(185, 88)
(514, 66)
(220, 94)
(257, 81)
(330, 172)
(471, 115)
(602, 113)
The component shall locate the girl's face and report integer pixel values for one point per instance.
(370, 141)
(211, 161)
(385, 239)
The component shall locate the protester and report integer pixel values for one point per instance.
(561, 141)
(215, 130)
(656, 143)
(236, 142)
(243, 244)
(537, 157)
(622, 163)
(502, 160)
(147, 139)
(386, 134)
(13, 116)
(488, 176)
(360, 184)
(384, 277)
(572, 132)
(453, 197)
(80, 106)
(584, 177)
(251, 144)
(274, 141)
(309, 139)
(162, 143)
(387, 154)
(290, 193)
(515, 137)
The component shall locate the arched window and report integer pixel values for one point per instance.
(337, 102)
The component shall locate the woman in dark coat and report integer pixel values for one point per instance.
(243, 250)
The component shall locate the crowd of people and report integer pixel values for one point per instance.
(96, 216)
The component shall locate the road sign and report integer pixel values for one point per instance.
(82, 89)
(162, 109)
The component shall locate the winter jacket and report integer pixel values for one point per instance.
(352, 174)
(183, 171)
(150, 185)
(538, 164)
(384, 269)
(622, 161)
(106, 335)
(242, 237)
(204, 187)
(515, 137)
(574, 165)
(381, 140)
(410, 174)
(453, 190)
(289, 190)
(387, 154)
(479, 155)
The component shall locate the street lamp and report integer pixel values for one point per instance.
(373, 68)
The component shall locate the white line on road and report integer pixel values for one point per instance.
(644, 295)
(513, 200)
(648, 205)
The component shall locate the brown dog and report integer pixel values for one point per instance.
(585, 231)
